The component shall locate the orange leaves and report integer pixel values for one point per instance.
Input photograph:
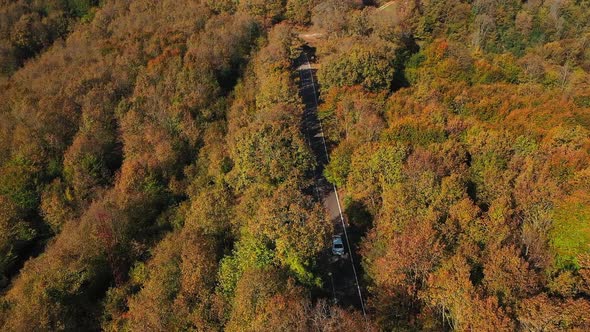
(450, 291)
(507, 274)
(542, 312)
(439, 49)
(409, 256)
(464, 212)
(178, 288)
(167, 53)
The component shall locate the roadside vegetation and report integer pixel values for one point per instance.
(154, 176)
(462, 129)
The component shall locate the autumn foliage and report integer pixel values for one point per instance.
(154, 174)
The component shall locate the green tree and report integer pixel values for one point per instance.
(369, 64)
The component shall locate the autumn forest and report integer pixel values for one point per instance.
(172, 165)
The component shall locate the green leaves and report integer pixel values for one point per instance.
(269, 153)
(370, 65)
(19, 182)
(570, 234)
(250, 252)
(337, 170)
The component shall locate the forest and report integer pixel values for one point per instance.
(155, 173)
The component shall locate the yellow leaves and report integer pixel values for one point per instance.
(266, 145)
(374, 167)
(55, 205)
(270, 152)
(179, 283)
(268, 11)
(274, 89)
(581, 184)
(452, 293)
(211, 211)
(369, 64)
(565, 284)
(13, 230)
(464, 212)
(294, 222)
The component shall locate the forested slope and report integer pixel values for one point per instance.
(154, 175)
(475, 169)
(27, 27)
(159, 149)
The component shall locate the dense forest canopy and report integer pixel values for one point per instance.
(155, 176)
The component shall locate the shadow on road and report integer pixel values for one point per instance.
(337, 272)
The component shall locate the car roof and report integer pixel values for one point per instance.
(337, 239)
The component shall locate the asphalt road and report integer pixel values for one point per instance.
(340, 274)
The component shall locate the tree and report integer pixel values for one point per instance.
(507, 275)
(19, 183)
(375, 167)
(269, 12)
(370, 65)
(211, 211)
(570, 234)
(56, 205)
(337, 170)
(452, 293)
(177, 291)
(269, 152)
(297, 227)
(14, 232)
(542, 312)
(332, 15)
(399, 264)
(254, 290)
(299, 11)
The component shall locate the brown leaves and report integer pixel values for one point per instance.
(543, 313)
(450, 290)
(408, 258)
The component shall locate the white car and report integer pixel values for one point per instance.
(337, 245)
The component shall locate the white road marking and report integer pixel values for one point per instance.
(315, 95)
(386, 5)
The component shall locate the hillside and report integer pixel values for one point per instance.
(184, 165)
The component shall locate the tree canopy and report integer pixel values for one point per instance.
(155, 172)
